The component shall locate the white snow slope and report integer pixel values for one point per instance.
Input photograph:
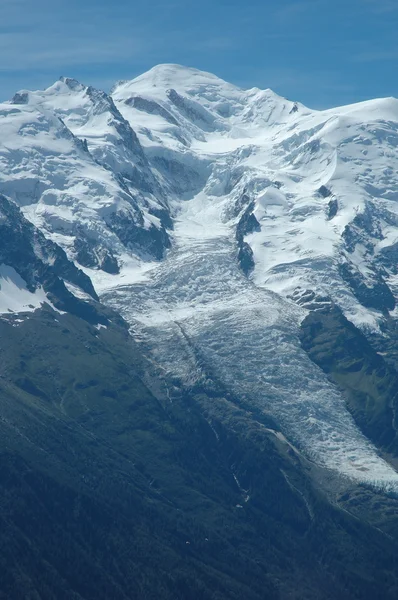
(14, 295)
(322, 185)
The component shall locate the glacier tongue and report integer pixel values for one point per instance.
(198, 303)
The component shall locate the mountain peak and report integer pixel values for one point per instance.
(72, 84)
(165, 76)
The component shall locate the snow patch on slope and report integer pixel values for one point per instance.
(14, 295)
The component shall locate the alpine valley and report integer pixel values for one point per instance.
(198, 342)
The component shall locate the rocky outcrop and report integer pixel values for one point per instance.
(247, 224)
(148, 242)
(35, 258)
(372, 292)
(42, 263)
(151, 107)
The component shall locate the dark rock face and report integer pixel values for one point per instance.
(363, 229)
(109, 264)
(164, 216)
(151, 242)
(40, 262)
(64, 300)
(20, 98)
(92, 255)
(377, 295)
(151, 107)
(243, 200)
(372, 291)
(246, 225)
(324, 191)
(333, 207)
(246, 258)
(346, 356)
(35, 258)
(72, 83)
(84, 253)
(388, 257)
(333, 204)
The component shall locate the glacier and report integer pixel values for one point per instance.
(198, 303)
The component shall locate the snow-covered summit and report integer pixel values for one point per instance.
(188, 97)
(92, 116)
(107, 164)
(172, 75)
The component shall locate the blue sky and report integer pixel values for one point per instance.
(320, 52)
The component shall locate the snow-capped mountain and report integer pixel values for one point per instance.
(216, 219)
(319, 184)
(35, 272)
(77, 195)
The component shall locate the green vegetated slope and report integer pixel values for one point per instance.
(351, 362)
(109, 490)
